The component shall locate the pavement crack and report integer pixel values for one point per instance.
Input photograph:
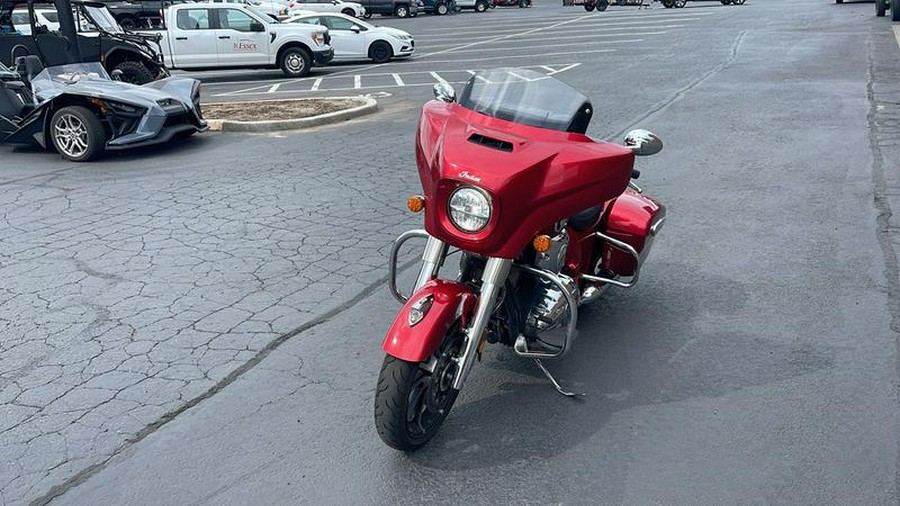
(680, 93)
(883, 210)
(88, 472)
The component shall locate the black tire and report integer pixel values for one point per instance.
(726, 2)
(679, 3)
(838, 1)
(481, 6)
(895, 10)
(521, 4)
(880, 8)
(77, 134)
(401, 11)
(737, 2)
(349, 12)
(128, 22)
(134, 72)
(602, 5)
(668, 4)
(295, 62)
(380, 52)
(367, 15)
(402, 386)
(589, 7)
(441, 9)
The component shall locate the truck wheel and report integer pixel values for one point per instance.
(880, 8)
(679, 3)
(481, 6)
(380, 52)
(77, 134)
(134, 72)
(602, 5)
(128, 22)
(295, 62)
(895, 10)
(401, 11)
(589, 7)
(367, 15)
(440, 9)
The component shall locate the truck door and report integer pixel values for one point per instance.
(242, 39)
(193, 39)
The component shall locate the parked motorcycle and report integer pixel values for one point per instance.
(544, 219)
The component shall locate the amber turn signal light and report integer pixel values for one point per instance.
(542, 243)
(416, 203)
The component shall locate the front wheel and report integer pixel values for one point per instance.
(402, 11)
(679, 3)
(77, 134)
(411, 403)
(726, 2)
(440, 9)
(481, 6)
(367, 15)
(380, 52)
(880, 7)
(589, 7)
(295, 62)
(895, 10)
(602, 5)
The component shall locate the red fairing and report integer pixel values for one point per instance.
(417, 343)
(548, 176)
(630, 219)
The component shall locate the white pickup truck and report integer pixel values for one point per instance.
(205, 36)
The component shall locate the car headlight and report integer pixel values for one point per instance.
(470, 209)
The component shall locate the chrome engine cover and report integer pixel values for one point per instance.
(549, 311)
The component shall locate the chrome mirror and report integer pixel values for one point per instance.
(643, 142)
(444, 92)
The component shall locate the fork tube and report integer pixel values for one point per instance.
(495, 272)
(432, 259)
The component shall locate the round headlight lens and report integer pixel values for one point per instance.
(470, 209)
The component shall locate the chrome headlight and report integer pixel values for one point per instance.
(470, 209)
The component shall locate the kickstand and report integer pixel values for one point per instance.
(553, 380)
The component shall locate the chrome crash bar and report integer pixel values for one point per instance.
(624, 246)
(432, 258)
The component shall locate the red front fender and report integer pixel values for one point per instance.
(416, 343)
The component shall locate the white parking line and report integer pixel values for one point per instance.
(510, 56)
(897, 33)
(437, 77)
(606, 27)
(357, 81)
(316, 84)
(542, 22)
(274, 88)
(520, 48)
(398, 80)
(607, 32)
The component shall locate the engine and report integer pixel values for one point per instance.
(550, 308)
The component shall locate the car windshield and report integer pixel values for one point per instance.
(260, 14)
(527, 97)
(59, 76)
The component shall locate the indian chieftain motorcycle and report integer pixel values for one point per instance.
(544, 219)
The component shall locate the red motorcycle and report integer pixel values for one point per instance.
(545, 219)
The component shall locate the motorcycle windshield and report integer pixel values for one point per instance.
(529, 98)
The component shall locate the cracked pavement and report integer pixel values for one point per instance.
(131, 288)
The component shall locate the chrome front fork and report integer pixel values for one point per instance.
(495, 272)
(492, 280)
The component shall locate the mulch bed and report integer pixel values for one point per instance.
(277, 109)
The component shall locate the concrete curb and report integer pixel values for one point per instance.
(369, 105)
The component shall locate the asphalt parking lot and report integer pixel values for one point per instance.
(200, 323)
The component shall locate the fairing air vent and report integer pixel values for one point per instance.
(490, 142)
